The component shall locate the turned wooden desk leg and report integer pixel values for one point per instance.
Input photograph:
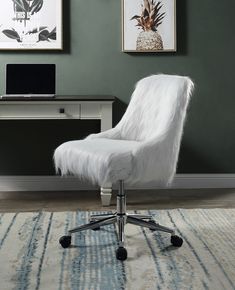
(106, 123)
(106, 194)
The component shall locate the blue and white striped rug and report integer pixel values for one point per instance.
(31, 258)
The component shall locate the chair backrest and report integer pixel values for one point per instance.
(155, 117)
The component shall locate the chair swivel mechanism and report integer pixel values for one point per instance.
(142, 148)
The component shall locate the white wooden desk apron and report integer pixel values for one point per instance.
(63, 107)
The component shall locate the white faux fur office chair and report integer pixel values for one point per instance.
(143, 147)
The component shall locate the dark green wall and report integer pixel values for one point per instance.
(92, 63)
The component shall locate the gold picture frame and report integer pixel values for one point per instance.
(149, 26)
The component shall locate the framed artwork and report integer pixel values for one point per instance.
(148, 25)
(30, 24)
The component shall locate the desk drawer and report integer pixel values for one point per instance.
(38, 111)
(90, 111)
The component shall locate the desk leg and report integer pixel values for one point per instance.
(106, 194)
(106, 123)
(106, 117)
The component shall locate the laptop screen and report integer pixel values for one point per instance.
(30, 79)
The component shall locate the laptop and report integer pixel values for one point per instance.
(30, 81)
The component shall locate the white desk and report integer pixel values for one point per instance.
(63, 107)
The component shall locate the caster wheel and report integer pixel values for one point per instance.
(176, 241)
(121, 253)
(65, 241)
(95, 229)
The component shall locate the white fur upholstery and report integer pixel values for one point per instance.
(144, 145)
(99, 159)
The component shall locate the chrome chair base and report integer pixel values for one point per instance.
(121, 218)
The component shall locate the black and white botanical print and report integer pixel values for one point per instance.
(30, 24)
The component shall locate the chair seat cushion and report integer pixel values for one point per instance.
(98, 160)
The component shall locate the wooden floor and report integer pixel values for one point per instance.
(90, 200)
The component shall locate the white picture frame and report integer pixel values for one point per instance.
(31, 25)
(148, 26)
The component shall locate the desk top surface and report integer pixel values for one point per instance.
(66, 98)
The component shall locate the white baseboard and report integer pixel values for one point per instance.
(56, 183)
(42, 183)
(204, 181)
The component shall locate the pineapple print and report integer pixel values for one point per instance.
(148, 21)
